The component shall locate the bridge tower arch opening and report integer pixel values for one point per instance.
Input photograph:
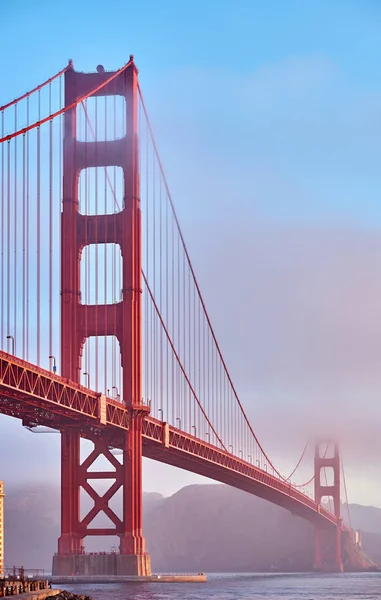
(81, 321)
(328, 540)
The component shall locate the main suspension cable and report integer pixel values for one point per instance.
(300, 459)
(36, 89)
(63, 110)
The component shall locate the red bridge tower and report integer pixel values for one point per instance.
(123, 320)
(328, 541)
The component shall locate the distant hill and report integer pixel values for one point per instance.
(365, 518)
(213, 528)
(216, 528)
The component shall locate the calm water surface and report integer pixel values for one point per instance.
(366, 586)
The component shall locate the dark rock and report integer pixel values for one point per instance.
(64, 595)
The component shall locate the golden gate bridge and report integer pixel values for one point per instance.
(104, 331)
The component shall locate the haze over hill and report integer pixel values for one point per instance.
(201, 527)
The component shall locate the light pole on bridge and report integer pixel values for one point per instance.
(179, 420)
(53, 358)
(195, 430)
(88, 379)
(10, 337)
(160, 410)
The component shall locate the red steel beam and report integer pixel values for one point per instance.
(20, 380)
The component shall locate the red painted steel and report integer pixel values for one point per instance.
(41, 398)
(328, 546)
(123, 320)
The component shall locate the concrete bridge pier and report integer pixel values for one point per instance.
(328, 550)
(108, 565)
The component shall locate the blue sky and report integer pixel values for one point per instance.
(313, 63)
(239, 37)
(268, 117)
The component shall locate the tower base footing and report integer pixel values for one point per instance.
(113, 565)
(329, 568)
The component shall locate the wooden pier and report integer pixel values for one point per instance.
(25, 583)
(37, 589)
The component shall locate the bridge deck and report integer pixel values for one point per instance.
(40, 397)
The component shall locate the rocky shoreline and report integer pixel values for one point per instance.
(64, 595)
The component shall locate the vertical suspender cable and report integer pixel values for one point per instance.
(190, 364)
(179, 386)
(113, 277)
(204, 369)
(154, 348)
(113, 343)
(38, 299)
(84, 209)
(23, 246)
(106, 338)
(167, 307)
(87, 265)
(161, 355)
(194, 360)
(184, 324)
(27, 235)
(8, 246)
(50, 225)
(60, 146)
(2, 232)
(207, 372)
(200, 365)
(15, 212)
(147, 350)
(173, 316)
(96, 251)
